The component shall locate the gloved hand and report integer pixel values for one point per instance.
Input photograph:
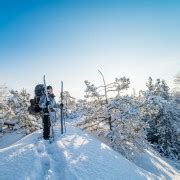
(61, 105)
(47, 103)
(51, 109)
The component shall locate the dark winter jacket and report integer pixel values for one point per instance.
(52, 103)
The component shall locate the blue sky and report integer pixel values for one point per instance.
(71, 40)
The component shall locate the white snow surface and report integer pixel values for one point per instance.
(9, 138)
(76, 156)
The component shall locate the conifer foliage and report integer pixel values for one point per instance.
(129, 122)
(15, 106)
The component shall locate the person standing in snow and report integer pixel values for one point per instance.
(43, 103)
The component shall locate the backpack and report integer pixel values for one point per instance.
(39, 90)
(34, 103)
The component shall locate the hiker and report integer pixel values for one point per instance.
(40, 105)
(48, 112)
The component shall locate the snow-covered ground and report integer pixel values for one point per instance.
(6, 139)
(76, 156)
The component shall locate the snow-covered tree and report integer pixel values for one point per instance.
(84, 108)
(133, 119)
(3, 107)
(128, 134)
(99, 94)
(117, 118)
(177, 79)
(176, 89)
(176, 108)
(18, 103)
(6, 111)
(150, 85)
(160, 88)
(159, 113)
(69, 104)
(129, 131)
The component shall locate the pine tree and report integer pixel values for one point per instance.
(150, 85)
(69, 104)
(158, 112)
(18, 103)
(127, 133)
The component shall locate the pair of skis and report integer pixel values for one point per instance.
(63, 127)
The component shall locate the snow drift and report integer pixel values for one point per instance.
(74, 156)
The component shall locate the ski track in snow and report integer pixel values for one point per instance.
(44, 160)
(73, 156)
(52, 161)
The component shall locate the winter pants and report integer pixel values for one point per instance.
(46, 126)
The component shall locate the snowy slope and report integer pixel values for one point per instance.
(9, 138)
(75, 155)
